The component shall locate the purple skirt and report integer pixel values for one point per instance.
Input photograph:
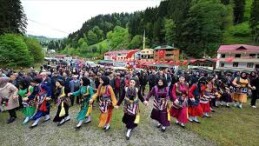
(160, 116)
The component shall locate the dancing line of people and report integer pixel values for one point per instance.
(185, 96)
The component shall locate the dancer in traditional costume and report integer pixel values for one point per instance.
(241, 89)
(205, 96)
(107, 101)
(194, 107)
(224, 90)
(28, 104)
(42, 96)
(179, 108)
(160, 111)
(131, 97)
(86, 93)
(63, 103)
(8, 98)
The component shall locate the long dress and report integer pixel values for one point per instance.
(194, 107)
(240, 94)
(107, 101)
(160, 111)
(179, 108)
(206, 95)
(29, 105)
(86, 93)
(63, 105)
(131, 99)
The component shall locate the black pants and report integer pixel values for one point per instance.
(117, 93)
(254, 97)
(143, 87)
(72, 98)
(12, 113)
(213, 102)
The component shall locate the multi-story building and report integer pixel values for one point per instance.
(238, 57)
(147, 55)
(121, 55)
(166, 53)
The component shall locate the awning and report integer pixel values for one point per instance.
(129, 55)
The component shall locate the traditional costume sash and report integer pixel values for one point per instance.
(105, 101)
(160, 103)
(131, 107)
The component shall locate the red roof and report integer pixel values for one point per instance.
(131, 53)
(238, 48)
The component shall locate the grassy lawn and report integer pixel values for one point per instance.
(231, 126)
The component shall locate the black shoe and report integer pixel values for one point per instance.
(158, 126)
(182, 126)
(11, 120)
(127, 137)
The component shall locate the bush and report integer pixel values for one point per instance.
(14, 51)
(35, 49)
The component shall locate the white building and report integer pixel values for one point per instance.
(238, 57)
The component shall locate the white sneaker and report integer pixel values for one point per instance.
(47, 118)
(26, 120)
(88, 120)
(253, 106)
(67, 118)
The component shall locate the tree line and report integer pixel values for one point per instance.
(194, 26)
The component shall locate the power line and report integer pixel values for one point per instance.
(50, 27)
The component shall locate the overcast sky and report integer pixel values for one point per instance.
(58, 18)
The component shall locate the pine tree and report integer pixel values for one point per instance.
(12, 17)
(254, 20)
(239, 9)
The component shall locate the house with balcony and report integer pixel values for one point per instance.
(238, 57)
(166, 53)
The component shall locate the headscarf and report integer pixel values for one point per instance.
(3, 81)
(164, 83)
(106, 80)
(243, 73)
(86, 81)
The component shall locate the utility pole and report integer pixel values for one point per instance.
(144, 40)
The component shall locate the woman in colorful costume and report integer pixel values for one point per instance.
(131, 96)
(63, 103)
(28, 104)
(160, 111)
(179, 108)
(86, 93)
(107, 101)
(241, 89)
(194, 107)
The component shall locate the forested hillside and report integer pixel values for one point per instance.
(194, 26)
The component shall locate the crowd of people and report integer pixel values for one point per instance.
(185, 96)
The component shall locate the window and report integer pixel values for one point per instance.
(235, 64)
(250, 65)
(252, 55)
(223, 55)
(237, 55)
(222, 64)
